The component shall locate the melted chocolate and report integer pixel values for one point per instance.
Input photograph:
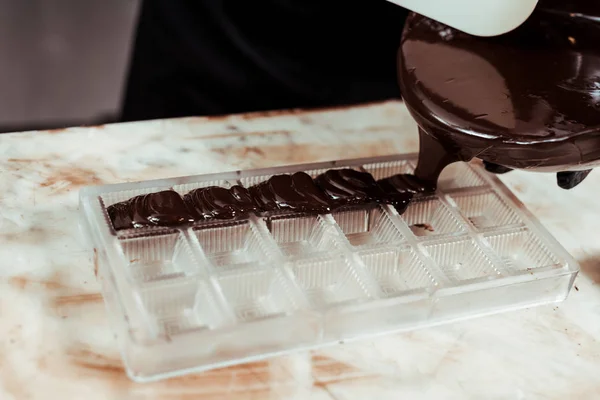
(348, 187)
(296, 192)
(400, 189)
(529, 99)
(290, 192)
(220, 203)
(120, 215)
(164, 208)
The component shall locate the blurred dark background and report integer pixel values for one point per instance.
(63, 62)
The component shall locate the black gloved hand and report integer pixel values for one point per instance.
(565, 180)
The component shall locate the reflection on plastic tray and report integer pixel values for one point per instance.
(223, 292)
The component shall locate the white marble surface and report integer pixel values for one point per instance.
(55, 342)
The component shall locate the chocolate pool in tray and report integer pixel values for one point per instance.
(329, 191)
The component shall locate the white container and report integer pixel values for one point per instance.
(476, 17)
(218, 293)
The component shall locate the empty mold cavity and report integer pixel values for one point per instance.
(430, 217)
(397, 270)
(158, 257)
(461, 260)
(367, 226)
(521, 250)
(302, 235)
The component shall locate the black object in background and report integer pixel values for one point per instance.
(208, 57)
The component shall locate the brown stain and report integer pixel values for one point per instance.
(96, 262)
(25, 160)
(76, 299)
(370, 129)
(301, 111)
(289, 112)
(74, 177)
(32, 235)
(427, 227)
(55, 131)
(244, 377)
(89, 360)
(24, 282)
(328, 371)
(590, 266)
(253, 150)
(239, 134)
(60, 296)
(36, 235)
(519, 188)
(301, 153)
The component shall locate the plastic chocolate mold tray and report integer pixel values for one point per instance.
(225, 292)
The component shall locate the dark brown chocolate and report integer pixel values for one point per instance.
(296, 192)
(120, 215)
(529, 99)
(349, 187)
(290, 192)
(219, 203)
(164, 208)
(400, 189)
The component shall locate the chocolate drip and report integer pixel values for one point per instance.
(400, 189)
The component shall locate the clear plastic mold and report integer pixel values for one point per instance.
(213, 294)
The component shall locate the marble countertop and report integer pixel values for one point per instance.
(55, 342)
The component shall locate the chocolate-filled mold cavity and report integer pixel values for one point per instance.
(159, 257)
(295, 192)
(232, 246)
(398, 183)
(368, 226)
(302, 235)
(184, 188)
(386, 169)
(164, 208)
(214, 202)
(248, 181)
(349, 187)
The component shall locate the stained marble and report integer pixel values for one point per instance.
(57, 343)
